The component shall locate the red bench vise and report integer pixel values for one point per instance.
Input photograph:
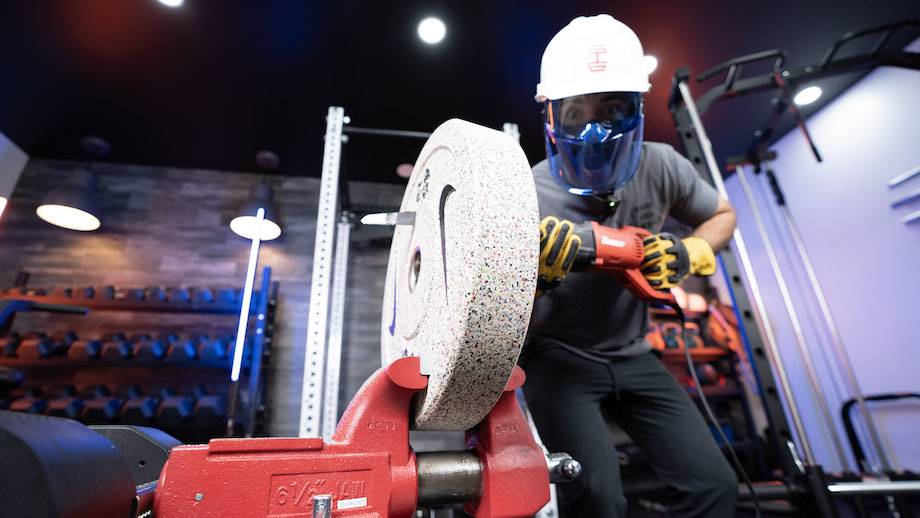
(368, 468)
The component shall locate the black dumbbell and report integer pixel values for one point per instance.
(197, 391)
(94, 391)
(134, 295)
(179, 352)
(85, 350)
(119, 350)
(129, 390)
(69, 407)
(62, 292)
(175, 409)
(213, 350)
(203, 296)
(61, 390)
(227, 297)
(9, 378)
(102, 410)
(8, 346)
(29, 404)
(29, 348)
(178, 295)
(113, 337)
(49, 348)
(156, 294)
(68, 337)
(169, 337)
(139, 410)
(147, 350)
(671, 335)
(191, 349)
(209, 409)
(164, 391)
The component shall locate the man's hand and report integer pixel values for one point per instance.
(669, 260)
(558, 246)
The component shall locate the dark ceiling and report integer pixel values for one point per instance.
(209, 84)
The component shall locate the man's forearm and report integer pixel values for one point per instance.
(718, 229)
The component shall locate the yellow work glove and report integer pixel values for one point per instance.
(558, 246)
(669, 260)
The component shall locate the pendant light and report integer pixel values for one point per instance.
(246, 223)
(74, 204)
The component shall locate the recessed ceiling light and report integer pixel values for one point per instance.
(807, 96)
(268, 159)
(431, 30)
(94, 145)
(171, 3)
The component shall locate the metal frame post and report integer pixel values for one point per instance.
(337, 314)
(314, 358)
(264, 329)
(699, 150)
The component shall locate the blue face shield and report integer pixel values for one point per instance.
(593, 141)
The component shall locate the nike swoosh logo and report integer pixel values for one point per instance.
(445, 192)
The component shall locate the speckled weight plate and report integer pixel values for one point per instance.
(460, 281)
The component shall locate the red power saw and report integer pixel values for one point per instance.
(618, 252)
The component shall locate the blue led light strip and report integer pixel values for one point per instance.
(247, 297)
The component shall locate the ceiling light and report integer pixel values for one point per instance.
(246, 224)
(807, 96)
(2, 204)
(73, 205)
(268, 159)
(431, 30)
(171, 3)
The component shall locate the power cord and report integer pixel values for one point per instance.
(708, 410)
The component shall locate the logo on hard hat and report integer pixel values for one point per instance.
(596, 52)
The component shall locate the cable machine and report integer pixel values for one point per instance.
(806, 482)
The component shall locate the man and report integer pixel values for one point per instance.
(585, 348)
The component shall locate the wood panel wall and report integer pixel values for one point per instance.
(170, 227)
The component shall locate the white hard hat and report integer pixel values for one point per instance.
(590, 55)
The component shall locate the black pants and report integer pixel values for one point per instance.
(565, 394)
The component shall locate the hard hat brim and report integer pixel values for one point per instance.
(582, 87)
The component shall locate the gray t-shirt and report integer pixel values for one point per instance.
(592, 314)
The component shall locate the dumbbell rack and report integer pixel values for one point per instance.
(178, 385)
